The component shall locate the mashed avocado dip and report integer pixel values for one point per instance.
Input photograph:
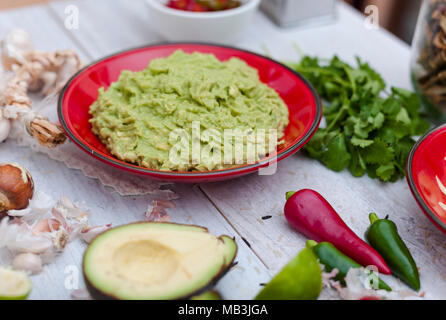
(136, 116)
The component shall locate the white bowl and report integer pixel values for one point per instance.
(214, 27)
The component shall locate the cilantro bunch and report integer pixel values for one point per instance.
(368, 130)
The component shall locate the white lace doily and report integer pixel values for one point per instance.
(124, 183)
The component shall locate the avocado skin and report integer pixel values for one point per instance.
(97, 294)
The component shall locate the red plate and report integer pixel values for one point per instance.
(82, 90)
(425, 162)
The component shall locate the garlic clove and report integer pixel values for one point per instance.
(46, 225)
(28, 262)
(16, 187)
(89, 233)
(60, 240)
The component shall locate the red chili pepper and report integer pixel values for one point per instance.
(310, 214)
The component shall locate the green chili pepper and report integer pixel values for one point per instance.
(332, 258)
(300, 279)
(383, 236)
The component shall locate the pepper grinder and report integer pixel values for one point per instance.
(287, 13)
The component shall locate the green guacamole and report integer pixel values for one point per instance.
(136, 115)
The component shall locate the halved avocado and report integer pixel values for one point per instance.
(14, 285)
(156, 261)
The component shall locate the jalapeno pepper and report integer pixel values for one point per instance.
(332, 258)
(383, 235)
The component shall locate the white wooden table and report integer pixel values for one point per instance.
(232, 207)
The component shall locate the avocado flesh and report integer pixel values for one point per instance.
(155, 261)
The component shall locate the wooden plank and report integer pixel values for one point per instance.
(114, 32)
(8, 4)
(107, 206)
(42, 27)
(109, 26)
(244, 201)
(347, 37)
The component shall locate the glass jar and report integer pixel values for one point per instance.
(429, 58)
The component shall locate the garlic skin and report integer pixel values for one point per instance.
(46, 225)
(89, 233)
(28, 262)
(5, 128)
(156, 211)
(16, 187)
(81, 294)
(33, 70)
(15, 46)
(38, 207)
(60, 240)
(34, 236)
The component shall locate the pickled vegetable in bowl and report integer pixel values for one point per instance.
(203, 5)
(201, 21)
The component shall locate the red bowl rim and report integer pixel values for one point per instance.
(411, 181)
(222, 172)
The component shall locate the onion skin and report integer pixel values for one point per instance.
(16, 187)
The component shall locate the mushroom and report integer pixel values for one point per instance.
(430, 73)
(16, 187)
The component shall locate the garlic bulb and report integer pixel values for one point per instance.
(14, 47)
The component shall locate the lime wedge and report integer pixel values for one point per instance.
(14, 285)
(300, 279)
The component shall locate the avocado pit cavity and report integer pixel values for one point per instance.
(145, 261)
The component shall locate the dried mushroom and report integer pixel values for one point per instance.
(430, 75)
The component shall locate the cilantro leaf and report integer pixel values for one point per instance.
(363, 143)
(386, 171)
(378, 153)
(336, 157)
(368, 131)
(357, 166)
